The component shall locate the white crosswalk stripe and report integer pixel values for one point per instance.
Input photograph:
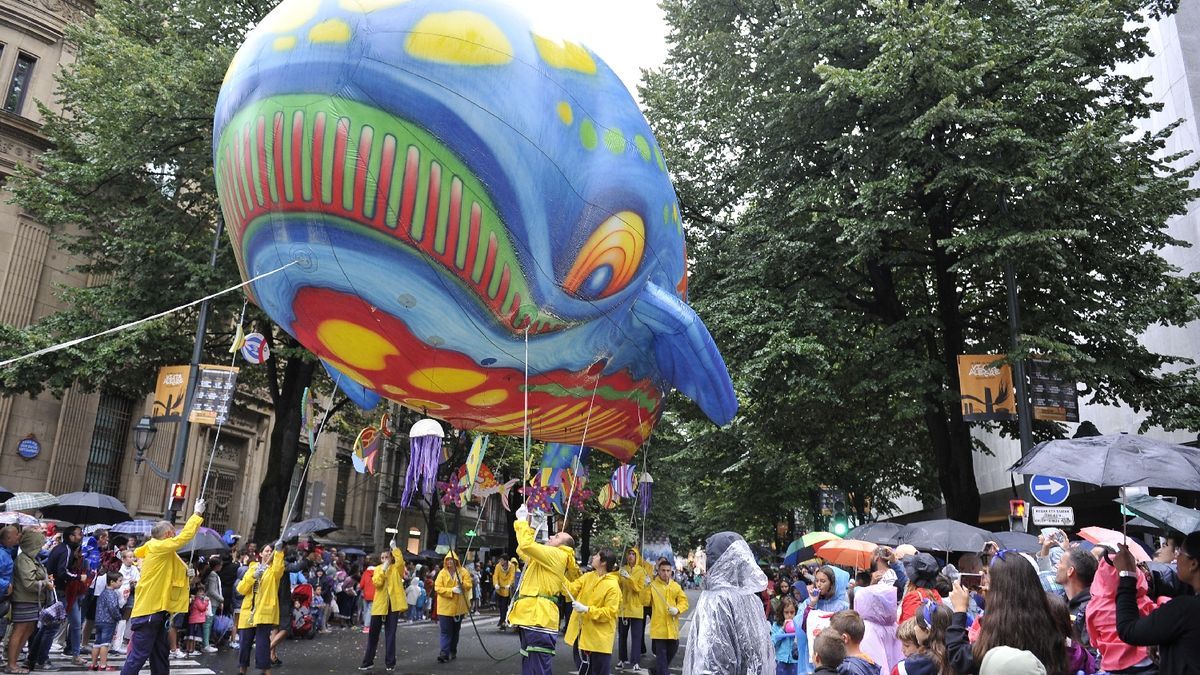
(178, 667)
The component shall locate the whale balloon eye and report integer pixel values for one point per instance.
(609, 259)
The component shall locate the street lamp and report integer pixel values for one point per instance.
(143, 437)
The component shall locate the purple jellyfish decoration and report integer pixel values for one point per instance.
(425, 446)
(644, 488)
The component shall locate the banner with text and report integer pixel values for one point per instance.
(169, 392)
(985, 388)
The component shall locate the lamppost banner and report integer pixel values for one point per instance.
(985, 388)
(1053, 396)
(169, 393)
(214, 395)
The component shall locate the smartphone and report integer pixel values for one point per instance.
(971, 580)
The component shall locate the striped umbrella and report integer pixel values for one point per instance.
(624, 481)
(91, 529)
(30, 501)
(140, 528)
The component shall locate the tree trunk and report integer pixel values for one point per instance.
(284, 448)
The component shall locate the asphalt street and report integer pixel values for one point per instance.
(416, 653)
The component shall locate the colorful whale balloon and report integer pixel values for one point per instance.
(454, 187)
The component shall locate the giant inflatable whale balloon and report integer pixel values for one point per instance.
(455, 190)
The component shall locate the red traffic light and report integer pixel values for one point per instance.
(179, 491)
(1016, 508)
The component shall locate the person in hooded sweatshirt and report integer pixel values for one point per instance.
(1175, 625)
(728, 633)
(877, 605)
(593, 622)
(635, 578)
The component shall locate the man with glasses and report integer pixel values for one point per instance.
(1075, 571)
(1173, 626)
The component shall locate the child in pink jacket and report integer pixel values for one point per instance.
(1115, 655)
(197, 615)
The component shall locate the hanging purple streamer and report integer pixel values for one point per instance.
(425, 455)
(644, 496)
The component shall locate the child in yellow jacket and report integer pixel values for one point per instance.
(593, 623)
(667, 601)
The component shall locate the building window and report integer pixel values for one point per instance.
(343, 486)
(109, 438)
(18, 87)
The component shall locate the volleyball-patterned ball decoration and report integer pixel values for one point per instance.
(444, 185)
(255, 349)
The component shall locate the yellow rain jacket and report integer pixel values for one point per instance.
(546, 570)
(164, 583)
(260, 605)
(503, 580)
(595, 630)
(389, 587)
(633, 586)
(449, 602)
(663, 626)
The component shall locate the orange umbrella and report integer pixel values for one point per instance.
(1107, 537)
(848, 552)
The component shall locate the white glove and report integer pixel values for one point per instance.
(191, 572)
(673, 611)
(522, 512)
(648, 579)
(580, 607)
(199, 508)
(258, 572)
(625, 573)
(457, 590)
(392, 544)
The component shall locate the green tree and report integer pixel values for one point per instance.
(128, 188)
(857, 174)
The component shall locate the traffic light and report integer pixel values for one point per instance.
(839, 522)
(470, 534)
(178, 496)
(1016, 515)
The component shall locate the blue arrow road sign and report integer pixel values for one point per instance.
(1050, 490)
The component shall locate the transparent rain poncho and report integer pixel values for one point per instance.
(728, 633)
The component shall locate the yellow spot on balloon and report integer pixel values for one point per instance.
(369, 5)
(446, 380)
(422, 404)
(565, 113)
(333, 30)
(354, 345)
(283, 44)
(392, 389)
(487, 398)
(564, 55)
(290, 15)
(462, 38)
(353, 374)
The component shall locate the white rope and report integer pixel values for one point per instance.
(575, 462)
(525, 431)
(307, 464)
(131, 324)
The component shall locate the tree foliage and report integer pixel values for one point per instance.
(857, 174)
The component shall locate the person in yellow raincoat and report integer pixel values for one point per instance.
(502, 580)
(635, 575)
(453, 586)
(593, 623)
(162, 591)
(259, 587)
(668, 601)
(535, 610)
(386, 608)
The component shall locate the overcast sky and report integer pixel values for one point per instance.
(628, 34)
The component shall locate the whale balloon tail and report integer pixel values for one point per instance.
(685, 353)
(360, 395)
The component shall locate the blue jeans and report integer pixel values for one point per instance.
(785, 668)
(449, 628)
(74, 629)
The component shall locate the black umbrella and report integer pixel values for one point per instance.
(944, 535)
(352, 551)
(1016, 541)
(206, 542)
(1165, 514)
(310, 526)
(763, 554)
(884, 534)
(86, 508)
(1115, 460)
(6, 494)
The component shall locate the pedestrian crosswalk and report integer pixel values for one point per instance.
(178, 667)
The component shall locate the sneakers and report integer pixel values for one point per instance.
(178, 654)
(366, 667)
(621, 665)
(443, 657)
(209, 649)
(638, 670)
(235, 645)
(366, 629)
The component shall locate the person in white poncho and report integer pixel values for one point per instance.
(729, 633)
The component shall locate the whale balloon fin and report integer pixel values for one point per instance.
(685, 352)
(360, 395)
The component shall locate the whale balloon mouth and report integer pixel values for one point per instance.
(354, 162)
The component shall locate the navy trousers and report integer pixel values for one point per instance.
(149, 643)
(449, 628)
(664, 652)
(537, 652)
(630, 632)
(592, 663)
(257, 638)
(388, 624)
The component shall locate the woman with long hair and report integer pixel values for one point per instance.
(1078, 658)
(1018, 615)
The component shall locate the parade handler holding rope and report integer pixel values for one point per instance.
(534, 612)
(162, 592)
(453, 586)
